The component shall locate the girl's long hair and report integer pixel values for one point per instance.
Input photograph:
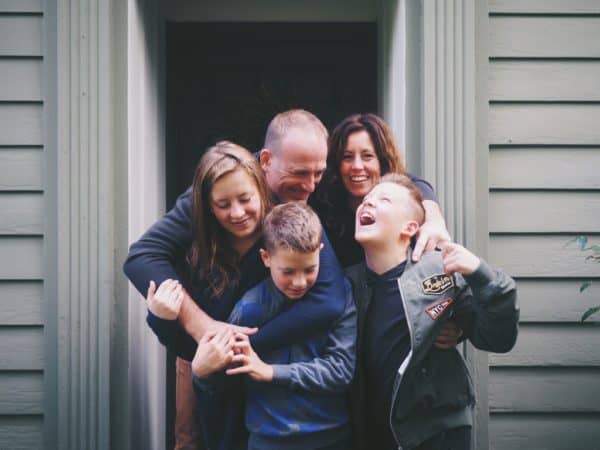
(211, 256)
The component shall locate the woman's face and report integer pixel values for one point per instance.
(359, 169)
(235, 202)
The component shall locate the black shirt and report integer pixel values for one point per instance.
(387, 343)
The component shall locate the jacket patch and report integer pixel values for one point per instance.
(438, 284)
(438, 308)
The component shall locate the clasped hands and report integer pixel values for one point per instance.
(225, 348)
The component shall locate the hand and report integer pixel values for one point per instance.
(448, 337)
(217, 326)
(456, 258)
(166, 301)
(214, 352)
(433, 232)
(249, 361)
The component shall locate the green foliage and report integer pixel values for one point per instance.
(593, 254)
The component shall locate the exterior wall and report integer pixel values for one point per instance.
(21, 225)
(544, 181)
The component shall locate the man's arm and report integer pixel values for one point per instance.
(153, 258)
(322, 305)
(433, 232)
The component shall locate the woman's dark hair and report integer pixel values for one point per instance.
(331, 196)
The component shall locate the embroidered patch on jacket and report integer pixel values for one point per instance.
(438, 308)
(438, 284)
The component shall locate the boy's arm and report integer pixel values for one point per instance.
(322, 305)
(333, 371)
(486, 307)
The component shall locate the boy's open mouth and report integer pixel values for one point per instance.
(366, 219)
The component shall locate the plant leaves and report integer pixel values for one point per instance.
(581, 241)
(589, 313)
(584, 286)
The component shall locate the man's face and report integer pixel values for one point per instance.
(294, 170)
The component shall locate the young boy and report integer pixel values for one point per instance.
(296, 396)
(408, 393)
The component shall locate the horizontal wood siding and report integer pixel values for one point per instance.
(21, 6)
(556, 431)
(21, 303)
(20, 35)
(20, 124)
(21, 393)
(518, 167)
(21, 432)
(545, 6)
(21, 348)
(545, 80)
(544, 36)
(548, 211)
(546, 390)
(544, 175)
(22, 343)
(21, 213)
(20, 79)
(554, 300)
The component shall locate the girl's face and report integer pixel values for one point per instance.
(235, 202)
(359, 169)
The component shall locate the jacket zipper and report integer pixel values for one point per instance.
(404, 364)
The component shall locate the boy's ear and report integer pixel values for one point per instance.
(264, 255)
(410, 228)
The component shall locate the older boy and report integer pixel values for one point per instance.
(296, 398)
(410, 394)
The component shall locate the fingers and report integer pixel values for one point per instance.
(244, 330)
(420, 246)
(151, 289)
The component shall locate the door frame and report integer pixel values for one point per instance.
(434, 103)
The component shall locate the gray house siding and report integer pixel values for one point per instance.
(21, 225)
(544, 174)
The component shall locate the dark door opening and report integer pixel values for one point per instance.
(228, 80)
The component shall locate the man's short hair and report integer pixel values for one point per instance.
(416, 207)
(292, 226)
(294, 118)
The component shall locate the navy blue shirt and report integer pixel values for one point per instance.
(387, 343)
(155, 255)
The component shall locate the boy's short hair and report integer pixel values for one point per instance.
(293, 226)
(416, 207)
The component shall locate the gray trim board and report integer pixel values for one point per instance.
(49, 175)
(454, 128)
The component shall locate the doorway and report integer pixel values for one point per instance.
(228, 80)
